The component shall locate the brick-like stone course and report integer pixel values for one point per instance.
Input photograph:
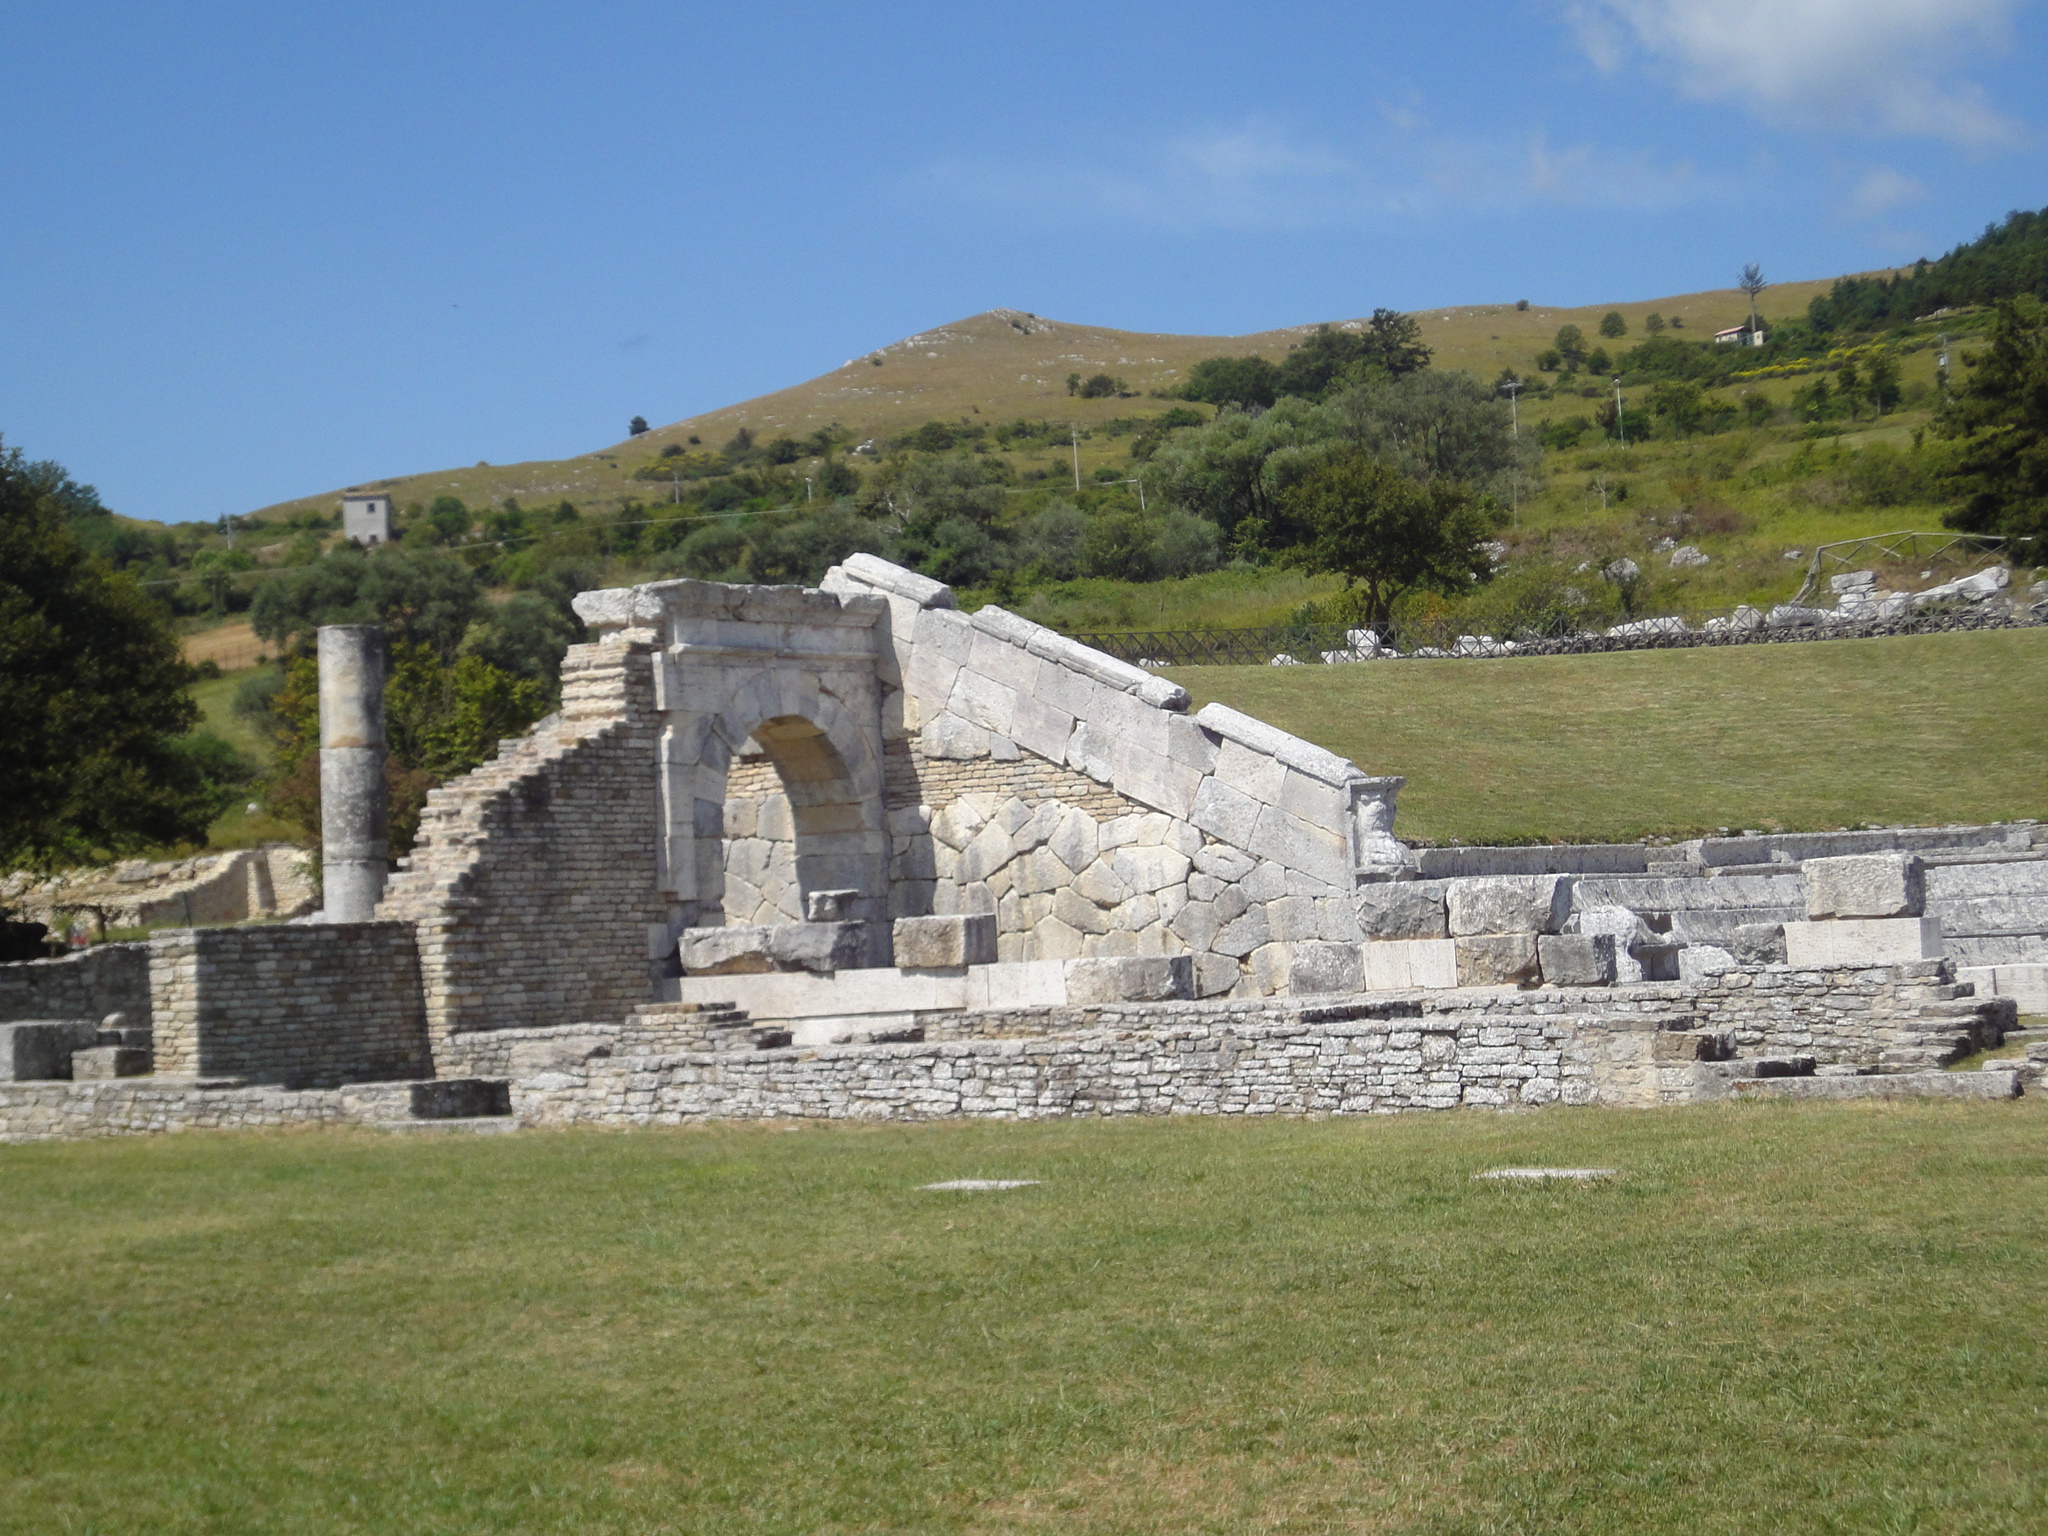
(303, 1005)
(534, 881)
(108, 978)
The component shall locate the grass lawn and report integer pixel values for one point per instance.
(1780, 1318)
(1919, 729)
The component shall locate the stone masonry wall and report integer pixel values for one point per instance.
(534, 882)
(105, 979)
(1302, 1066)
(301, 1005)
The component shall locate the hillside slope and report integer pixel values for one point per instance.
(1006, 364)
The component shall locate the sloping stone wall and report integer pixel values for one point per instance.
(534, 883)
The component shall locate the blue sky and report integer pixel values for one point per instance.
(253, 252)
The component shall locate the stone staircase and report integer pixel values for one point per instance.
(666, 1029)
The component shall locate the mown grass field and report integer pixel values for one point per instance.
(1920, 729)
(1826, 1318)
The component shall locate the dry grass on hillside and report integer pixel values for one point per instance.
(1006, 364)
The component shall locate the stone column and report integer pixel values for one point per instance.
(354, 838)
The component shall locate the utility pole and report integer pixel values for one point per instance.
(1514, 389)
(1620, 421)
(1077, 456)
(807, 487)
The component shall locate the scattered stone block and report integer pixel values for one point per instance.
(1577, 959)
(1510, 904)
(936, 943)
(1497, 960)
(757, 948)
(1864, 885)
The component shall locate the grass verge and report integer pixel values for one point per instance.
(1810, 1317)
(1916, 729)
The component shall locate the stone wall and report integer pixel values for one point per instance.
(303, 1005)
(534, 883)
(105, 979)
(1140, 1065)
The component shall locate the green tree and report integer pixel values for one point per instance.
(1233, 381)
(1882, 387)
(1386, 535)
(419, 595)
(2000, 420)
(1099, 387)
(1571, 345)
(93, 694)
(1597, 361)
(1653, 323)
(448, 520)
(636, 426)
(1612, 325)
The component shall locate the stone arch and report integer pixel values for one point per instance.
(825, 771)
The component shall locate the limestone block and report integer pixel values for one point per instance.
(1324, 853)
(1403, 909)
(1397, 965)
(1215, 974)
(1130, 980)
(1267, 882)
(1229, 815)
(1862, 941)
(1224, 863)
(1100, 883)
(109, 1061)
(930, 943)
(1140, 829)
(1078, 912)
(1150, 868)
(1078, 839)
(1698, 963)
(1129, 719)
(946, 632)
(1073, 693)
(1052, 939)
(1138, 914)
(1289, 750)
(1001, 660)
(1189, 745)
(988, 703)
(754, 949)
(1319, 966)
(1197, 924)
(34, 1050)
(1257, 775)
(1293, 917)
(1873, 885)
(1152, 778)
(950, 738)
(989, 852)
(1038, 828)
(1089, 751)
(829, 906)
(1509, 904)
(1319, 804)
(1496, 959)
(1759, 944)
(1243, 935)
(1577, 959)
(1041, 728)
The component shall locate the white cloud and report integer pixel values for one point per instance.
(1258, 176)
(1875, 65)
(1883, 189)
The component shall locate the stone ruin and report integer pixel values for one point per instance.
(848, 851)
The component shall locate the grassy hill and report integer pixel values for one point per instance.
(1006, 364)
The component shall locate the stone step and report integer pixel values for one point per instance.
(477, 1125)
(1884, 1085)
